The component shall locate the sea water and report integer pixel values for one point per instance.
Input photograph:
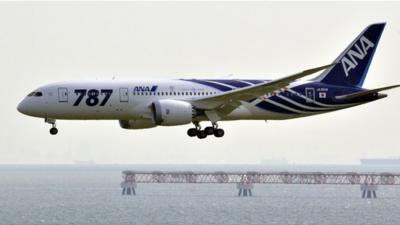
(91, 195)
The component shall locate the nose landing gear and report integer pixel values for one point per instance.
(53, 129)
(201, 134)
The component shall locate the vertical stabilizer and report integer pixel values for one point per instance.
(353, 63)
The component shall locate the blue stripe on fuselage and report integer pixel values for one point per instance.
(210, 84)
(290, 105)
(254, 81)
(234, 83)
(273, 108)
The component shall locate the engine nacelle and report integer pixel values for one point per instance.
(167, 112)
(137, 124)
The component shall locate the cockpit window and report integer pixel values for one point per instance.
(36, 94)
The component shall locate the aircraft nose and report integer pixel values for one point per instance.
(22, 107)
(28, 107)
(32, 107)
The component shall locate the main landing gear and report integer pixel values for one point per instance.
(53, 129)
(201, 134)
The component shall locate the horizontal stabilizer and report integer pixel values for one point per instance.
(365, 92)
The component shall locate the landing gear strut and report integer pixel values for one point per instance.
(201, 134)
(53, 129)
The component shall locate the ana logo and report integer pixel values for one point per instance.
(358, 52)
(145, 88)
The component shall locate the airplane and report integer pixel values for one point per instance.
(140, 104)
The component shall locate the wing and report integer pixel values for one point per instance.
(365, 92)
(228, 101)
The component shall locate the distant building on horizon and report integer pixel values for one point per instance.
(381, 161)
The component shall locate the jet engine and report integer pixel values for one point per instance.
(137, 124)
(167, 112)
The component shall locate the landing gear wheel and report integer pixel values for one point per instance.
(209, 130)
(53, 131)
(201, 134)
(192, 132)
(219, 133)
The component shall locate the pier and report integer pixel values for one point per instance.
(245, 180)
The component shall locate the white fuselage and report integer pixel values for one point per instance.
(128, 100)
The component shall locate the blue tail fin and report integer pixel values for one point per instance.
(353, 63)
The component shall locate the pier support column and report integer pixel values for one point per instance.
(128, 188)
(129, 185)
(245, 189)
(368, 190)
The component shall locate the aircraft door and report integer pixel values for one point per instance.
(62, 95)
(310, 94)
(123, 95)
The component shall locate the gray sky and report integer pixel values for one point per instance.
(42, 43)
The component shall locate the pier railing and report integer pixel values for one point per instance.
(350, 178)
(245, 180)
